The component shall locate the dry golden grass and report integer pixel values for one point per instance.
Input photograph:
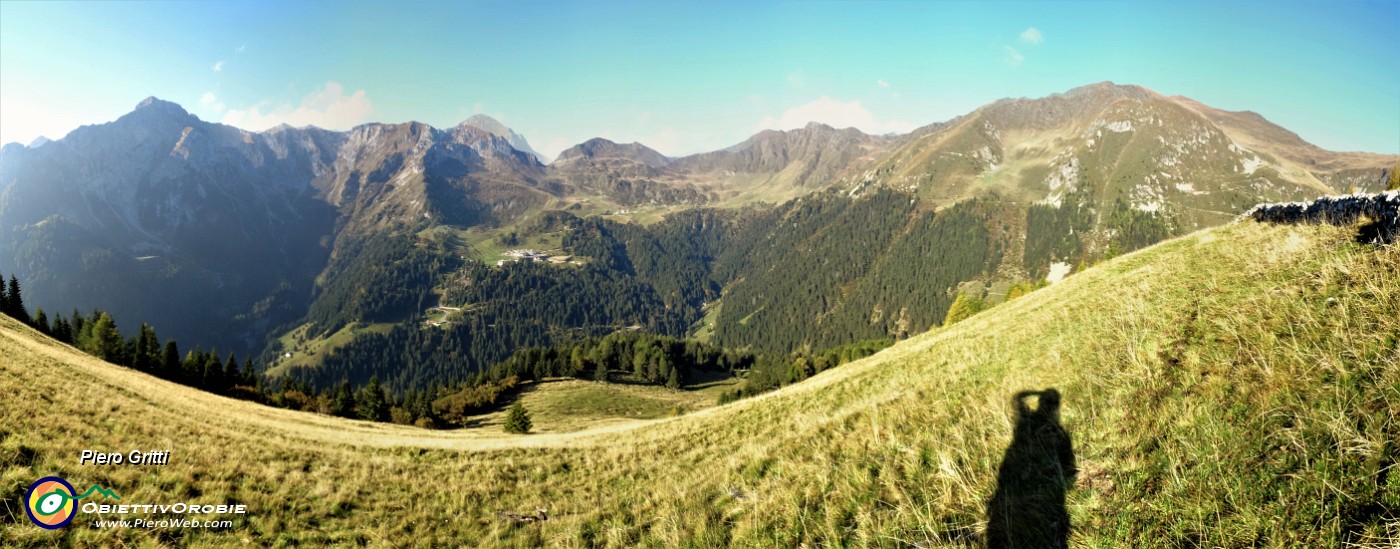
(571, 405)
(1236, 387)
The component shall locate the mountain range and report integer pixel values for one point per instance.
(234, 238)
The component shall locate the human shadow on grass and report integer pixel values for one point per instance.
(1028, 508)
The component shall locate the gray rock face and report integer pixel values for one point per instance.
(494, 127)
(1382, 209)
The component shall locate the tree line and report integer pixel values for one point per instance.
(620, 357)
(97, 334)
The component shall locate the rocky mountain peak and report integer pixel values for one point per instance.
(1109, 87)
(485, 122)
(601, 148)
(496, 128)
(153, 103)
(152, 112)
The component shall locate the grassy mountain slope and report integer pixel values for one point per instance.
(1120, 150)
(568, 405)
(1236, 387)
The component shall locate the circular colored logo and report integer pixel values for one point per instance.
(50, 503)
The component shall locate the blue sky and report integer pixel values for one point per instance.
(688, 77)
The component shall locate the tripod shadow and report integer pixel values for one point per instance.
(1028, 508)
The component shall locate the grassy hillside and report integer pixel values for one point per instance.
(309, 351)
(1236, 387)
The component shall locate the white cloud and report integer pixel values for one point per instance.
(1032, 36)
(667, 141)
(218, 66)
(211, 103)
(797, 80)
(1013, 58)
(240, 48)
(27, 117)
(882, 83)
(329, 107)
(553, 147)
(894, 95)
(835, 114)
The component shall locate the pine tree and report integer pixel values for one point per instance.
(16, 302)
(673, 379)
(83, 333)
(250, 375)
(211, 371)
(105, 342)
(170, 361)
(62, 330)
(576, 362)
(370, 403)
(343, 400)
(640, 357)
(231, 375)
(146, 352)
(518, 420)
(964, 306)
(129, 352)
(76, 323)
(1394, 179)
(4, 297)
(41, 321)
(192, 367)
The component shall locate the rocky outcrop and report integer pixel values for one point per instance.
(498, 129)
(1380, 209)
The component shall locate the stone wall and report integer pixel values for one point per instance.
(1380, 209)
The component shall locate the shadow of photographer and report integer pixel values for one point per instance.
(1028, 507)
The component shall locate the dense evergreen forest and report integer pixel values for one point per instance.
(504, 309)
(820, 271)
(831, 270)
(382, 278)
(1052, 233)
(633, 357)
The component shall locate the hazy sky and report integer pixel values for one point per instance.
(688, 77)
